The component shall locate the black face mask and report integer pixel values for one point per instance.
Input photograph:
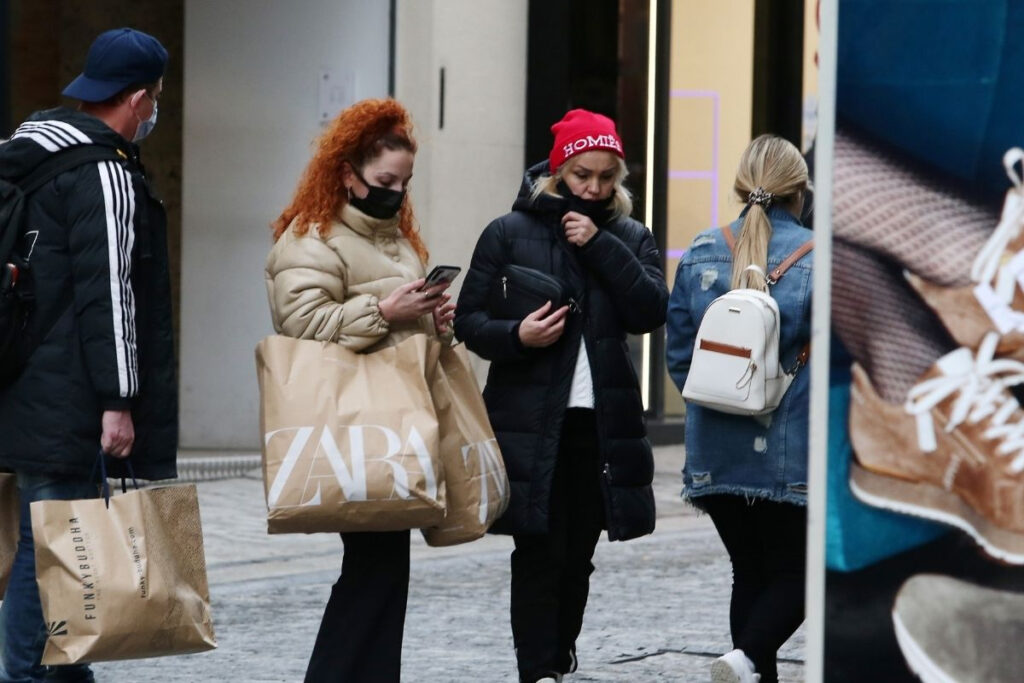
(379, 202)
(597, 210)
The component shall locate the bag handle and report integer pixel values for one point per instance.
(781, 269)
(101, 461)
(801, 359)
(730, 241)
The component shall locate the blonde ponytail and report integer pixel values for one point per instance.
(752, 249)
(771, 171)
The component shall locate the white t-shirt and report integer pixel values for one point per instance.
(581, 395)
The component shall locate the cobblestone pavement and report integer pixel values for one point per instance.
(658, 609)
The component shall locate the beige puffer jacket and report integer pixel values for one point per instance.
(327, 288)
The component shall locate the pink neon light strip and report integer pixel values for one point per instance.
(691, 175)
(711, 175)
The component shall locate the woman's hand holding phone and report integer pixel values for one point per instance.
(444, 314)
(412, 300)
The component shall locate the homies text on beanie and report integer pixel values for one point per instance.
(582, 131)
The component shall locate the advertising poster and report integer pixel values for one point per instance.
(925, 513)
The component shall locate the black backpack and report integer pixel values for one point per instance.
(17, 299)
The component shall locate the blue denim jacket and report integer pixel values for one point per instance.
(757, 457)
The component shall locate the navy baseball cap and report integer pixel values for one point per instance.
(117, 59)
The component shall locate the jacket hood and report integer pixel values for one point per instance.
(53, 130)
(545, 203)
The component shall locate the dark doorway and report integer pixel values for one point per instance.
(594, 54)
(5, 69)
(778, 69)
(44, 45)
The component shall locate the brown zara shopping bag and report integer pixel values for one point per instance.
(123, 582)
(9, 516)
(350, 440)
(475, 480)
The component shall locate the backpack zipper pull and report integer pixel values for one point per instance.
(504, 286)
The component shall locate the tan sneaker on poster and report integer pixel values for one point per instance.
(965, 319)
(994, 300)
(954, 452)
(951, 630)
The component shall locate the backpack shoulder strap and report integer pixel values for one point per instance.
(46, 171)
(66, 160)
(781, 269)
(730, 240)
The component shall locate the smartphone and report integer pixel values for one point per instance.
(441, 274)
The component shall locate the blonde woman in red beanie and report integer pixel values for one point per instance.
(552, 291)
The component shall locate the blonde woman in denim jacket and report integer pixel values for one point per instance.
(750, 473)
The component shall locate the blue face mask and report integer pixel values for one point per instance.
(146, 127)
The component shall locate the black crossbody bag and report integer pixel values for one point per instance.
(519, 291)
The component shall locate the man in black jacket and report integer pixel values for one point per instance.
(101, 379)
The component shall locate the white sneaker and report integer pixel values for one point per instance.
(733, 667)
(550, 679)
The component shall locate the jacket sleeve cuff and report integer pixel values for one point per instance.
(597, 249)
(361, 317)
(377, 316)
(517, 342)
(115, 404)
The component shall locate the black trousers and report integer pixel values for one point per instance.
(551, 572)
(360, 638)
(767, 544)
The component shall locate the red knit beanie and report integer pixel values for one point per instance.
(582, 131)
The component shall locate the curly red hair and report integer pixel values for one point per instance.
(357, 135)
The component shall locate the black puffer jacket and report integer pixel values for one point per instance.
(619, 274)
(100, 270)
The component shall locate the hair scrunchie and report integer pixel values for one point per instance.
(761, 197)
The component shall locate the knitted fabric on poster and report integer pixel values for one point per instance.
(882, 322)
(896, 209)
(889, 216)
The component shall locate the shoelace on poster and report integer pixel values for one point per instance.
(981, 395)
(996, 278)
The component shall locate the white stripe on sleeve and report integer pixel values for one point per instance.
(119, 205)
(51, 135)
(52, 132)
(70, 131)
(39, 138)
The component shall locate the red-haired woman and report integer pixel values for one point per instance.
(347, 266)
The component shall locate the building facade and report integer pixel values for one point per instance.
(251, 82)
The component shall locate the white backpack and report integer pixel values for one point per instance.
(735, 366)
